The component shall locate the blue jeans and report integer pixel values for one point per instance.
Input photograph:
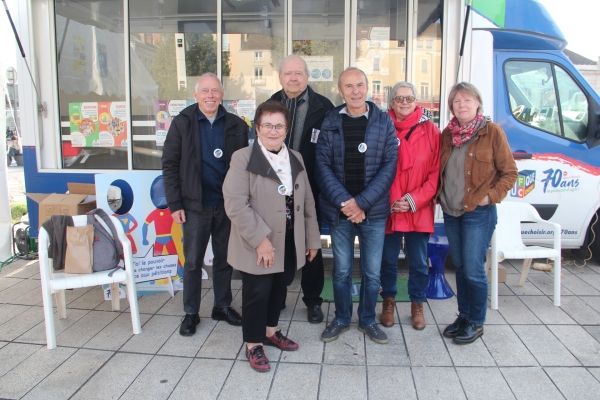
(469, 237)
(416, 253)
(371, 234)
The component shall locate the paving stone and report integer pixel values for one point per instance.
(154, 334)
(353, 319)
(575, 383)
(506, 347)
(484, 384)
(545, 282)
(111, 381)
(31, 298)
(150, 304)
(593, 280)
(515, 311)
(577, 284)
(343, 382)
(89, 300)
(106, 305)
(301, 380)
(244, 383)
(349, 348)
(85, 328)
(73, 294)
(9, 311)
(13, 354)
(444, 311)
(225, 341)
(579, 342)
(544, 346)
(206, 304)
(493, 317)
(307, 336)
(78, 368)
(580, 311)
(292, 306)
(475, 354)
(394, 353)
(15, 291)
(388, 382)
(595, 372)
(546, 311)
(175, 305)
(203, 380)
(426, 347)
(158, 379)
(2, 344)
(37, 334)
(530, 383)
(593, 301)
(593, 330)
(115, 334)
(188, 346)
(437, 382)
(22, 378)
(528, 289)
(22, 269)
(22, 323)
(6, 283)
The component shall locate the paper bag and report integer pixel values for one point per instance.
(79, 257)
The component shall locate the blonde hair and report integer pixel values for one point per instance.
(467, 88)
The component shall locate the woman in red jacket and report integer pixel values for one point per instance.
(412, 205)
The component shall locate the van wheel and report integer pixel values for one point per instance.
(593, 233)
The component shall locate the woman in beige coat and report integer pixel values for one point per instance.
(273, 228)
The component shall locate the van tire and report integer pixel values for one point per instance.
(593, 232)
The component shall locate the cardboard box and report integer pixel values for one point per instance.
(501, 274)
(80, 199)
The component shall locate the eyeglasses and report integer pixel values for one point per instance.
(279, 128)
(409, 99)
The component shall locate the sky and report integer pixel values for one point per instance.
(578, 20)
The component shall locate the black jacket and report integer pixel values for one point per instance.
(318, 106)
(182, 156)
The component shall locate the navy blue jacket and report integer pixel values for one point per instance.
(380, 165)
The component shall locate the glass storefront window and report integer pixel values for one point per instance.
(381, 45)
(91, 84)
(427, 54)
(318, 37)
(253, 46)
(172, 43)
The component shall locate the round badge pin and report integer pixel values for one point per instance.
(362, 147)
(282, 190)
(218, 153)
(398, 141)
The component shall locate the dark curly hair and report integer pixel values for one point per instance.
(272, 107)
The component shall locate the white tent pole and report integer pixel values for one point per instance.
(5, 219)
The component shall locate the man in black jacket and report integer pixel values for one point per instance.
(195, 159)
(308, 110)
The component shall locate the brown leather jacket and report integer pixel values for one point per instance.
(490, 168)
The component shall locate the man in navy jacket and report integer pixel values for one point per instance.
(357, 152)
(196, 156)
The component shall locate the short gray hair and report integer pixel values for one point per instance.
(209, 75)
(293, 57)
(351, 69)
(398, 86)
(467, 88)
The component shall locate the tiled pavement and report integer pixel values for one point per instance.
(530, 350)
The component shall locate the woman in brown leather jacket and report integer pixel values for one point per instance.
(477, 170)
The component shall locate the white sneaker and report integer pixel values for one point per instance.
(13, 163)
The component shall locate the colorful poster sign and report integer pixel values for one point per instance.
(98, 124)
(164, 112)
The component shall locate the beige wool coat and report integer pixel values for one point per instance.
(257, 210)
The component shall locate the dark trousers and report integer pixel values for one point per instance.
(262, 296)
(198, 228)
(313, 278)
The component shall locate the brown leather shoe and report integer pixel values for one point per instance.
(387, 313)
(416, 310)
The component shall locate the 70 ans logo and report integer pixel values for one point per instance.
(558, 179)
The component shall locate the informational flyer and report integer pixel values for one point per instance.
(98, 124)
(320, 68)
(246, 108)
(165, 111)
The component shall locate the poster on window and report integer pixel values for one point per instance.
(98, 124)
(164, 112)
(320, 68)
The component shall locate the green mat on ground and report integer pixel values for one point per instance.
(401, 284)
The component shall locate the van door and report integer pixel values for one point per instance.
(545, 112)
